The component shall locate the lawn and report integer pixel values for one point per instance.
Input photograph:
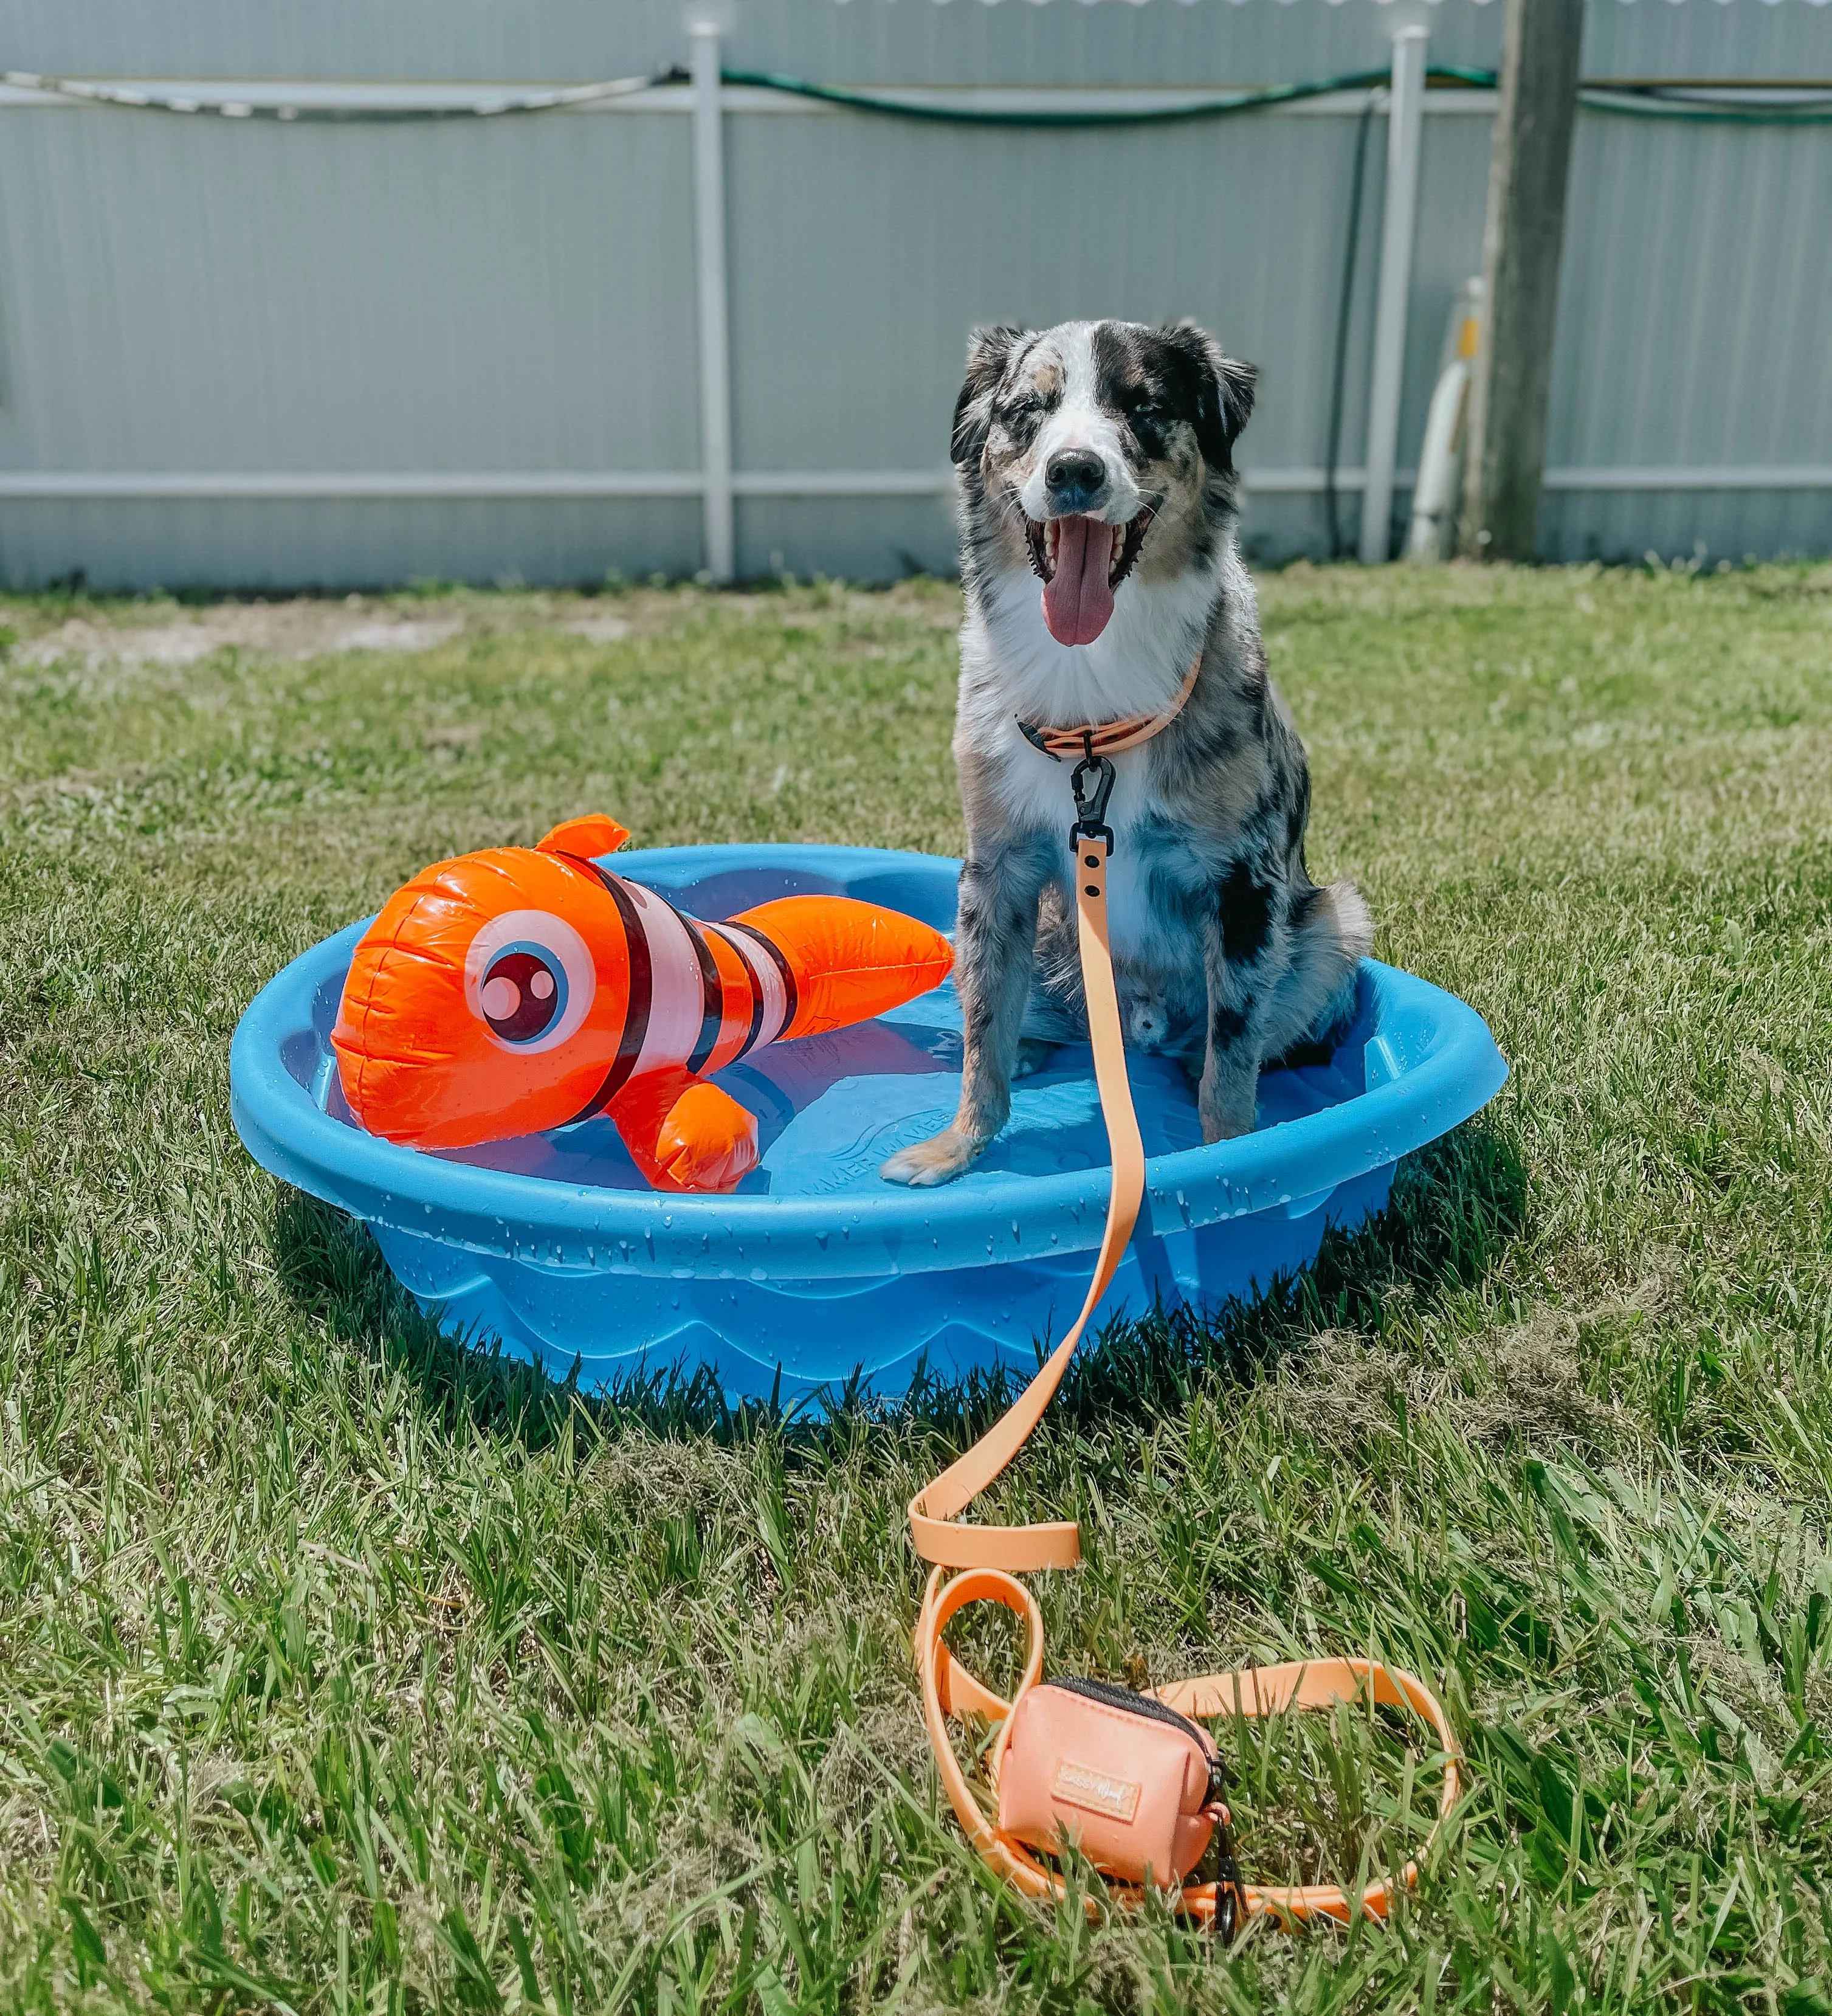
(340, 1670)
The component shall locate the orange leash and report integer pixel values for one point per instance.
(988, 1559)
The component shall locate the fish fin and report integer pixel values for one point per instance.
(585, 838)
(708, 1141)
(683, 1133)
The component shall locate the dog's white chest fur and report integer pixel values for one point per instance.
(1013, 670)
(1012, 666)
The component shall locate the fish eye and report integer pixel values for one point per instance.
(530, 979)
(522, 995)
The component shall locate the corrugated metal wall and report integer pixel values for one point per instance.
(1694, 329)
(204, 295)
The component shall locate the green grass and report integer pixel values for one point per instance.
(341, 1671)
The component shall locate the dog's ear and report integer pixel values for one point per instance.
(988, 352)
(1224, 390)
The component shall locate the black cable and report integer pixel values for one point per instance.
(1345, 303)
(1812, 107)
(1654, 101)
(1220, 106)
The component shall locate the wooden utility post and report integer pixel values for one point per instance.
(1529, 167)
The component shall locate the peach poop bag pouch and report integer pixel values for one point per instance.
(1136, 1787)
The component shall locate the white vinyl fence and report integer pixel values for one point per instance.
(305, 334)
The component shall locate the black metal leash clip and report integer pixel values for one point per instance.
(1092, 781)
(1230, 1887)
(1230, 1884)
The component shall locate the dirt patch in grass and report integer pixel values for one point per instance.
(298, 628)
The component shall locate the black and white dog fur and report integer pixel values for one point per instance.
(1100, 456)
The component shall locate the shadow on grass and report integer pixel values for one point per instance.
(332, 1271)
(1456, 1205)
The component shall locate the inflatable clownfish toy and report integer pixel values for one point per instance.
(523, 988)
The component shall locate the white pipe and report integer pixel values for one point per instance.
(1434, 489)
(435, 486)
(1404, 108)
(264, 95)
(1710, 476)
(844, 482)
(431, 485)
(709, 242)
(241, 96)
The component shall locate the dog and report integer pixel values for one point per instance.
(1099, 457)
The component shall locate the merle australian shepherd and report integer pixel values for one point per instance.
(1099, 457)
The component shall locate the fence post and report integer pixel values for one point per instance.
(1404, 112)
(1529, 170)
(709, 245)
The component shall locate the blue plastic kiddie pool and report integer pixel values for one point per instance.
(816, 1269)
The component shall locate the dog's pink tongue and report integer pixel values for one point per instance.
(1077, 601)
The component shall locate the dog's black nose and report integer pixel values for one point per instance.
(1075, 477)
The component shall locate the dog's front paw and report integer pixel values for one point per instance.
(1226, 1125)
(939, 1160)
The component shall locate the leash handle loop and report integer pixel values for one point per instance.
(949, 1690)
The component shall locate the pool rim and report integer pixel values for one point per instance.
(1291, 1167)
